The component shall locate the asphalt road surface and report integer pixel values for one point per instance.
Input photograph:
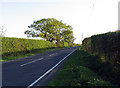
(35, 70)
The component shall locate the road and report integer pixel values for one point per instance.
(35, 70)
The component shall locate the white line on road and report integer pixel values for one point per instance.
(31, 62)
(53, 54)
(50, 70)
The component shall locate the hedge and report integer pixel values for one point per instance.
(107, 46)
(15, 46)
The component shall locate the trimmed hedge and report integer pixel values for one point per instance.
(15, 46)
(107, 46)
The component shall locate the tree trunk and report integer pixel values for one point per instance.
(58, 43)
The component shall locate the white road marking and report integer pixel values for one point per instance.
(50, 70)
(31, 62)
(53, 54)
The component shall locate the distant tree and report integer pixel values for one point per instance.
(2, 31)
(50, 29)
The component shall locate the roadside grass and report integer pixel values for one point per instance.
(34, 52)
(84, 70)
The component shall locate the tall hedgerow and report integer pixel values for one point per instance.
(107, 46)
(15, 46)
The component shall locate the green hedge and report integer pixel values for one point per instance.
(15, 46)
(107, 46)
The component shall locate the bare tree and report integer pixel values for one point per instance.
(2, 31)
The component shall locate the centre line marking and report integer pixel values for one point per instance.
(50, 70)
(53, 54)
(31, 62)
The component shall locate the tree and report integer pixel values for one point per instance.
(50, 29)
(2, 31)
(69, 39)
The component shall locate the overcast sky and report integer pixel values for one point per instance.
(17, 15)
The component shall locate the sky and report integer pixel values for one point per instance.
(17, 15)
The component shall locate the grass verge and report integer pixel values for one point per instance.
(34, 52)
(84, 70)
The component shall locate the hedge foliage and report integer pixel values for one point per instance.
(15, 46)
(107, 46)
